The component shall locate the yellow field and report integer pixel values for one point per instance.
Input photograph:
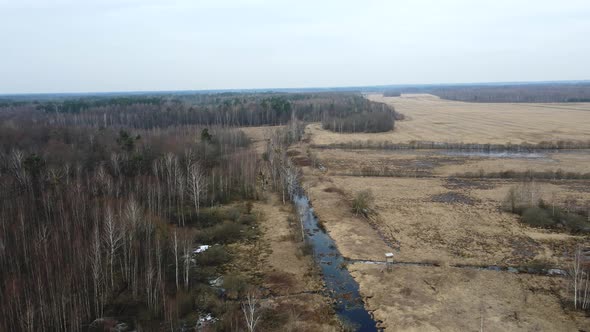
(429, 118)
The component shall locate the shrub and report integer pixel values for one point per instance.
(362, 202)
(236, 285)
(226, 232)
(575, 222)
(535, 216)
(233, 213)
(207, 299)
(537, 264)
(249, 207)
(184, 303)
(521, 197)
(273, 320)
(368, 122)
(206, 218)
(247, 219)
(216, 255)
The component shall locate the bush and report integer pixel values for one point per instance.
(235, 285)
(249, 207)
(226, 232)
(206, 218)
(362, 202)
(247, 219)
(207, 300)
(216, 255)
(367, 122)
(233, 213)
(575, 222)
(273, 319)
(184, 303)
(535, 216)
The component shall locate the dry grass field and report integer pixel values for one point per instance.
(437, 218)
(429, 118)
(448, 222)
(448, 299)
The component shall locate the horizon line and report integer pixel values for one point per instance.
(293, 90)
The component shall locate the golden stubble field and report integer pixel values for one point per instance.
(448, 221)
(429, 118)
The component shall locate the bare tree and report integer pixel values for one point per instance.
(96, 267)
(186, 240)
(112, 238)
(579, 274)
(175, 248)
(196, 185)
(250, 308)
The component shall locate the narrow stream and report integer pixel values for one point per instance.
(342, 287)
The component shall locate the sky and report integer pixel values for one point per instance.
(148, 45)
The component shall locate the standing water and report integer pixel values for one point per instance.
(342, 287)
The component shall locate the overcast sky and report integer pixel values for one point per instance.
(131, 45)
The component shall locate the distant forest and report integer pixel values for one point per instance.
(348, 112)
(510, 93)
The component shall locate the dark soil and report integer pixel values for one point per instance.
(453, 198)
(456, 183)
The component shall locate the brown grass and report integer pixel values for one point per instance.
(449, 299)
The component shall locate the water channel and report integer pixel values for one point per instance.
(343, 289)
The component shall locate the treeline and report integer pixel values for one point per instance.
(227, 109)
(358, 114)
(508, 93)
